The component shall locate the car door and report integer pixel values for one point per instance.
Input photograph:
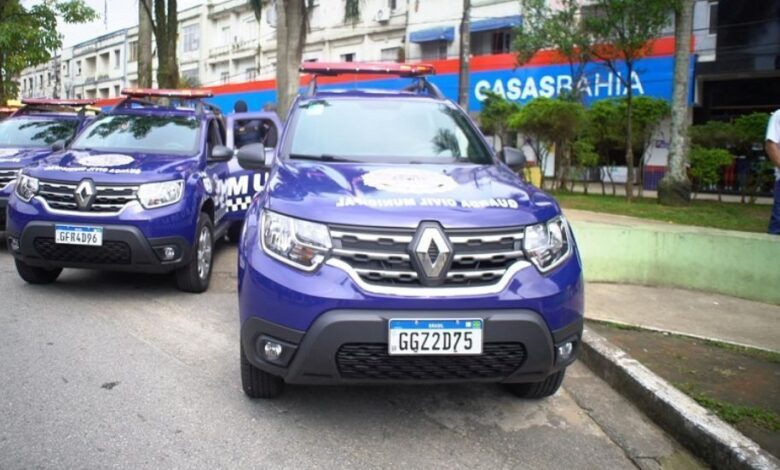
(242, 185)
(217, 172)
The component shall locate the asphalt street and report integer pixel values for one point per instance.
(116, 370)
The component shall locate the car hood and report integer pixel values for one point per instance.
(106, 167)
(457, 196)
(13, 158)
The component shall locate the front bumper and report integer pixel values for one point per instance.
(350, 347)
(3, 212)
(125, 248)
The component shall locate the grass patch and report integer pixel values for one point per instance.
(734, 414)
(620, 326)
(769, 356)
(722, 215)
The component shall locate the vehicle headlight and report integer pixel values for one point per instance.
(26, 187)
(153, 195)
(548, 245)
(299, 243)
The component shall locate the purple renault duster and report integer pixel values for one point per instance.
(147, 187)
(34, 132)
(392, 246)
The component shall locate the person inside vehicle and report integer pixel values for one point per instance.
(246, 131)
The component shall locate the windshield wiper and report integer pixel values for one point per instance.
(320, 158)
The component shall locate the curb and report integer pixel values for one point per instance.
(701, 431)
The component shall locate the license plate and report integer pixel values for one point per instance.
(78, 235)
(435, 337)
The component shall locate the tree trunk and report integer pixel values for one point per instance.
(290, 39)
(629, 137)
(165, 32)
(2, 79)
(465, 56)
(675, 187)
(144, 45)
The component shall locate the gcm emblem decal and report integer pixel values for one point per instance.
(432, 253)
(85, 194)
(104, 160)
(409, 181)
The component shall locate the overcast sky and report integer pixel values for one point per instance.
(114, 15)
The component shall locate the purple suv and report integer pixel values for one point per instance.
(392, 245)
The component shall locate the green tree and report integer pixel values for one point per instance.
(165, 24)
(559, 29)
(585, 157)
(29, 35)
(714, 134)
(495, 114)
(674, 188)
(546, 122)
(604, 128)
(622, 32)
(707, 166)
(645, 119)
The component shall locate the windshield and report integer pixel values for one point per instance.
(174, 135)
(386, 130)
(31, 132)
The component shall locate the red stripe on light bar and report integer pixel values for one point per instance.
(142, 92)
(373, 68)
(57, 102)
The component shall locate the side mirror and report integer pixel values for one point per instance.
(220, 153)
(514, 158)
(255, 157)
(57, 146)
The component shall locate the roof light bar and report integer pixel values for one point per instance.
(166, 93)
(57, 102)
(380, 68)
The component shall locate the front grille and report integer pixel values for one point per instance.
(7, 177)
(108, 199)
(381, 256)
(2, 218)
(372, 362)
(112, 252)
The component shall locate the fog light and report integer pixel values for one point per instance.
(13, 243)
(272, 351)
(169, 253)
(565, 350)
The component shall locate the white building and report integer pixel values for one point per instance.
(220, 41)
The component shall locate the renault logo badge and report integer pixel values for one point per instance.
(85, 194)
(432, 253)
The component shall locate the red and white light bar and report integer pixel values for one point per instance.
(57, 102)
(167, 93)
(380, 68)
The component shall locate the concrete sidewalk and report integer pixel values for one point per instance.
(699, 314)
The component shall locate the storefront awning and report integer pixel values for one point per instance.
(492, 24)
(442, 33)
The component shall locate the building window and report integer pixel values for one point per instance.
(391, 54)
(502, 42)
(348, 57)
(392, 4)
(433, 50)
(224, 77)
(225, 35)
(713, 17)
(191, 38)
(250, 73)
(117, 58)
(116, 91)
(249, 29)
(133, 47)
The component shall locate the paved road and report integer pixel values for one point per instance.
(117, 370)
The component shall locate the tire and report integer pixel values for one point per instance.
(195, 276)
(259, 383)
(536, 390)
(34, 275)
(234, 232)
